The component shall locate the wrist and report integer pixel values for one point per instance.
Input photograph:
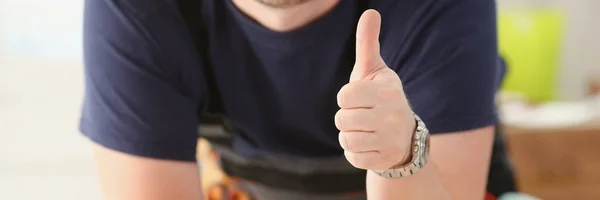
(418, 151)
(412, 129)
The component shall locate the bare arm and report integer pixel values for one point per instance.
(139, 110)
(376, 121)
(457, 169)
(127, 177)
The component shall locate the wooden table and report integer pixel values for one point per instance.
(557, 164)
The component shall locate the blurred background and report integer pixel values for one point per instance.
(550, 102)
(42, 155)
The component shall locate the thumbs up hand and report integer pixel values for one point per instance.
(375, 120)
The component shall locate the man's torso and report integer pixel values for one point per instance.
(278, 90)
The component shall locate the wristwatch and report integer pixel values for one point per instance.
(419, 154)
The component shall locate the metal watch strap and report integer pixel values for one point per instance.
(419, 151)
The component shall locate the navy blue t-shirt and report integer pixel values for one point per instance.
(146, 82)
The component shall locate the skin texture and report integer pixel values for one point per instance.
(281, 3)
(127, 177)
(376, 125)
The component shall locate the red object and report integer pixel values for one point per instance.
(489, 196)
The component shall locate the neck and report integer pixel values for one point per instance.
(285, 18)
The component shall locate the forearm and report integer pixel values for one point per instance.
(127, 177)
(457, 172)
(152, 188)
(424, 185)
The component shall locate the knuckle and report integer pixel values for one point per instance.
(344, 94)
(341, 100)
(342, 137)
(354, 159)
(339, 120)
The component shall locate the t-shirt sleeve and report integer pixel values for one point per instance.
(453, 71)
(141, 96)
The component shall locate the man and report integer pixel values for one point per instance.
(304, 98)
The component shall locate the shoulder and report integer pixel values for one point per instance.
(423, 16)
(436, 47)
(117, 17)
(152, 23)
(143, 79)
(434, 29)
(122, 35)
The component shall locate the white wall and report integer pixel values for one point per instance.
(42, 155)
(581, 47)
(40, 28)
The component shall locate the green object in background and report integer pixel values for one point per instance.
(530, 43)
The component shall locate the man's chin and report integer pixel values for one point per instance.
(282, 3)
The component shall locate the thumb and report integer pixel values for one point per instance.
(368, 57)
